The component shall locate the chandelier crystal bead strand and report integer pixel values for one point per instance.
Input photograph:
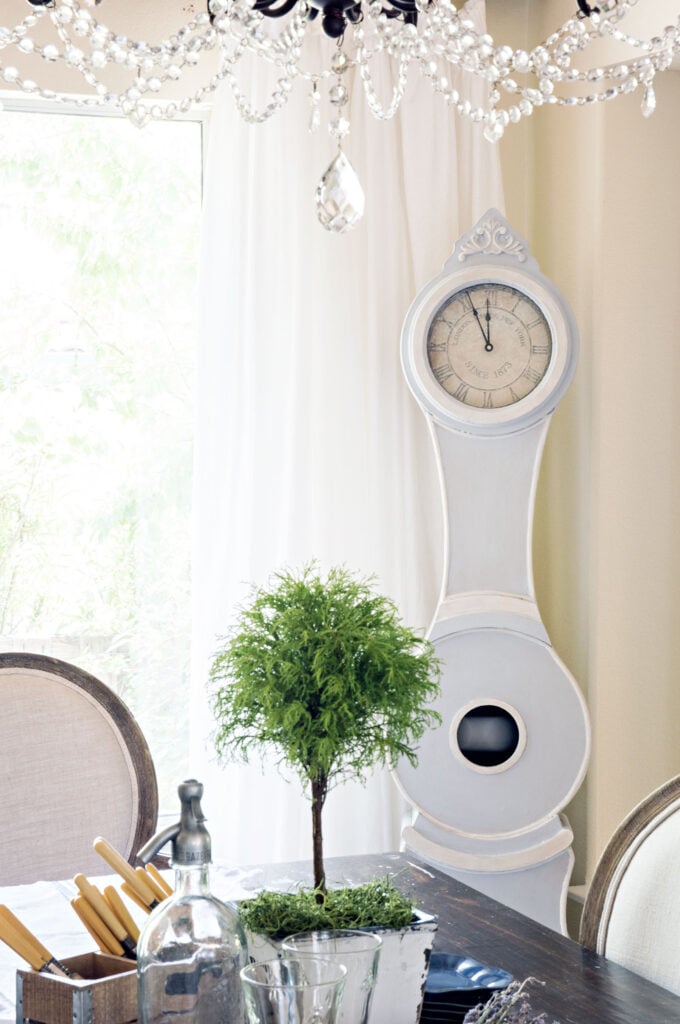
(433, 37)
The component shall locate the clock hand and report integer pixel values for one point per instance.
(488, 347)
(486, 340)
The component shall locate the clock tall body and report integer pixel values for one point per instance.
(489, 348)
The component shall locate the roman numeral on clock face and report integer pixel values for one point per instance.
(442, 373)
(539, 350)
(461, 392)
(533, 375)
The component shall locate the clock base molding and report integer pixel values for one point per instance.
(529, 873)
(464, 611)
(489, 853)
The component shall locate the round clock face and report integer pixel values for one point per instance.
(489, 345)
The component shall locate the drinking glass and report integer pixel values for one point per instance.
(358, 950)
(293, 991)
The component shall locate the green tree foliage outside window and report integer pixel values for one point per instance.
(100, 226)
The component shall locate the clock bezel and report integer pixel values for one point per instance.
(541, 401)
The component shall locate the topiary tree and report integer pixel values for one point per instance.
(323, 671)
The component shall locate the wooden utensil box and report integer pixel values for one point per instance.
(107, 993)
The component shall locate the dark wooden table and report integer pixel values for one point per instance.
(580, 987)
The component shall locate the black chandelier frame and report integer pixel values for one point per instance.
(336, 14)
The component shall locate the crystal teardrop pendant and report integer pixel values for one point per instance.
(315, 113)
(340, 198)
(649, 102)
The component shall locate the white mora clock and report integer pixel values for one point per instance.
(489, 348)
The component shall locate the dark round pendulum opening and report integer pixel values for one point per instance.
(487, 735)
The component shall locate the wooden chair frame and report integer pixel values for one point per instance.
(131, 734)
(617, 856)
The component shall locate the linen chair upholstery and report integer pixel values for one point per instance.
(74, 764)
(632, 909)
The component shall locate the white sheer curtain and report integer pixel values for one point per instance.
(309, 444)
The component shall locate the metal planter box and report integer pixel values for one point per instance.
(402, 969)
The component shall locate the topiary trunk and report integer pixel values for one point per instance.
(319, 792)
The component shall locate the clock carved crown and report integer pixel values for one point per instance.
(491, 236)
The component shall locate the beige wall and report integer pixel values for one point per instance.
(596, 191)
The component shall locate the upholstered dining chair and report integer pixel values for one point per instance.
(74, 764)
(632, 909)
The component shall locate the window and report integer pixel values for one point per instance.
(99, 223)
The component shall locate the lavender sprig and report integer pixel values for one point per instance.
(509, 1006)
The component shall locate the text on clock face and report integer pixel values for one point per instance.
(476, 371)
(489, 345)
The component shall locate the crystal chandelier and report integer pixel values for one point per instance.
(431, 35)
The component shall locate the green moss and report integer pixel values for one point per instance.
(279, 914)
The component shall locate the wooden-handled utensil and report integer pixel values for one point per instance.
(103, 936)
(158, 892)
(113, 898)
(104, 912)
(158, 878)
(17, 936)
(139, 883)
(131, 894)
